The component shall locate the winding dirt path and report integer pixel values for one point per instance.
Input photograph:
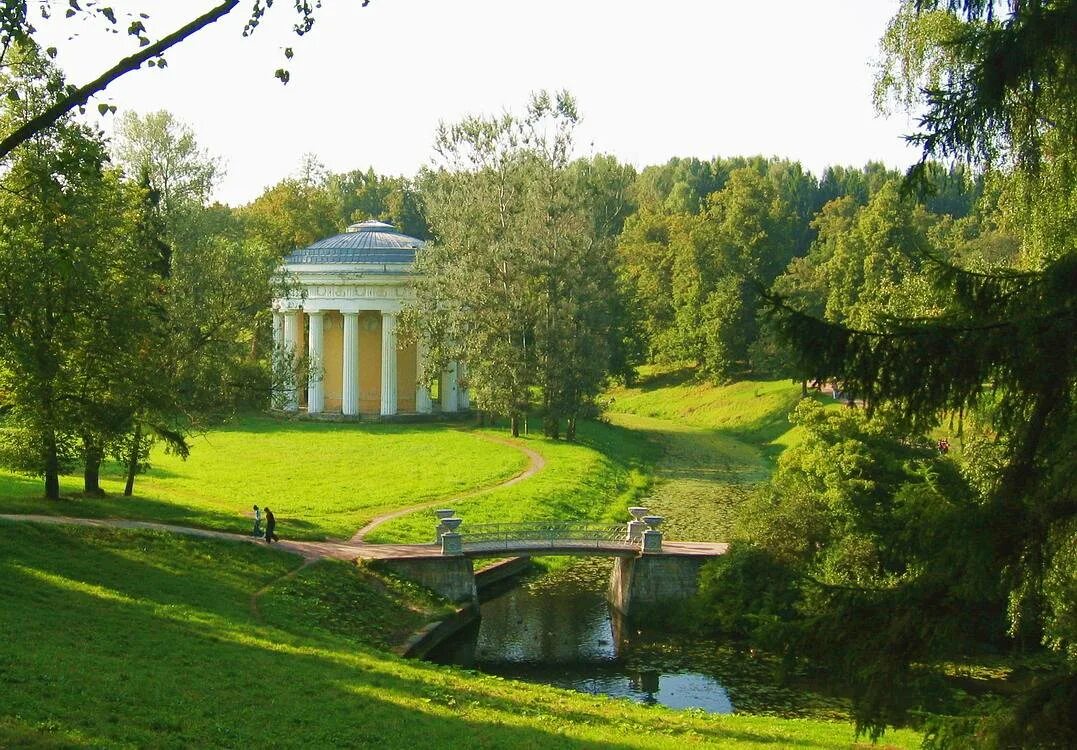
(535, 463)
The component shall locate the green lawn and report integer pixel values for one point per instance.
(751, 411)
(594, 479)
(137, 639)
(321, 479)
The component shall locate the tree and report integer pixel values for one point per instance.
(72, 282)
(517, 282)
(199, 356)
(165, 153)
(1002, 343)
(293, 213)
(19, 26)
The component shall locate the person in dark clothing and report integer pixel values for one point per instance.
(271, 524)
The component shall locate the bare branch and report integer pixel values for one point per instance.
(81, 95)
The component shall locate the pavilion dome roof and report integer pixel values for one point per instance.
(365, 242)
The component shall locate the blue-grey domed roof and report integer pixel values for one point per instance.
(365, 242)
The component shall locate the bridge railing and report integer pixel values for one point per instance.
(530, 534)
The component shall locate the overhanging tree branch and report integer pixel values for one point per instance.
(81, 95)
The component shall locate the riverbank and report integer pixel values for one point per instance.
(133, 639)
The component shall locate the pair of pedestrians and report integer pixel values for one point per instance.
(271, 525)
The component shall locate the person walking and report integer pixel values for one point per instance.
(271, 525)
(257, 530)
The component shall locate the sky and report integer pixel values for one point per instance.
(653, 80)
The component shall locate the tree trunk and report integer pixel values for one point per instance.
(803, 388)
(514, 424)
(91, 475)
(52, 468)
(132, 461)
(551, 426)
(570, 429)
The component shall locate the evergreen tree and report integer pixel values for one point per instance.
(1002, 343)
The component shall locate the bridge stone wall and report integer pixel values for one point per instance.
(451, 577)
(639, 583)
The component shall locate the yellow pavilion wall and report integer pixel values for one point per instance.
(370, 329)
(370, 363)
(333, 361)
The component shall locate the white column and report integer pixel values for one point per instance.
(449, 389)
(350, 405)
(463, 398)
(291, 328)
(388, 364)
(275, 358)
(422, 388)
(316, 376)
(278, 331)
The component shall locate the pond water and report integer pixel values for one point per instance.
(557, 628)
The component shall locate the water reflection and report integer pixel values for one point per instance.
(559, 630)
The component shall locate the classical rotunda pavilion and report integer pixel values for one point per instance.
(341, 317)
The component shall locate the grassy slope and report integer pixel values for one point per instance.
(321, 479)
(700, 478)
(136, 639)
(752, 411)
(716, 443)
(595, 479)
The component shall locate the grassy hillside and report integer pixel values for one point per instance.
(596, 478)
(700, 478)
(715, 443)
(321, 479)
(751, 411)
(136, 639)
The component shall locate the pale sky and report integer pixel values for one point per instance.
(653, 80)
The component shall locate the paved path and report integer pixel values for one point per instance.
(535, 463)
(309, 550)
(345, 551)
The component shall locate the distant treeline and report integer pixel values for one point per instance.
(699, 243)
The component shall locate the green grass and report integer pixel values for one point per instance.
(321, 479)
(752, 411)
(135, 639)
(594, 479)
(700, 479)
(716, 443)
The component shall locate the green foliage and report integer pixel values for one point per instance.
(986, 324)
(746, 593)
(165, 153)
(75, 285)
(521, 281)
(864, 554)
(199, 358)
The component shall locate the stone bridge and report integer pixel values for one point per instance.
(648, 571)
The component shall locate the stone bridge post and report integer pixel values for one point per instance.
(451, 577)
(646, 582)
